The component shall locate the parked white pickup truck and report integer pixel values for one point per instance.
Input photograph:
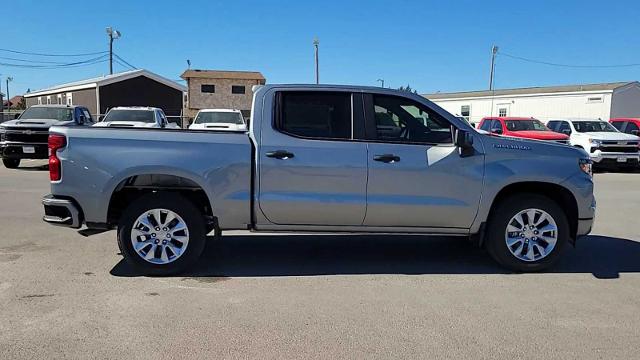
(136, 116)
(219, 119)
(604, 143)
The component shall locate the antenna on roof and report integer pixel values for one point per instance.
(188, 64)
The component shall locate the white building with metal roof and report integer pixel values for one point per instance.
(595, 101)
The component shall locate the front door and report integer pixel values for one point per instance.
(311, 171)
(417, 177)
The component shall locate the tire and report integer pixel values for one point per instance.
(519, 258)
(164, 261)
(11, 163)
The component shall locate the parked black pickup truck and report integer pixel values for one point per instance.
(26, 137)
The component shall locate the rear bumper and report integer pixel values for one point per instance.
(61, 212)
(12, 150)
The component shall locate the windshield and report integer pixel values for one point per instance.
(593, 126)
(145, 116)
(524, 125)
(60, 114)
(218, 117)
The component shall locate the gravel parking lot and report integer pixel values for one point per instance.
(63, 295)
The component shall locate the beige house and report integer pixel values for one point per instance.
(220, 89)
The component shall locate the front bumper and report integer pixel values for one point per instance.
(61, 212)
(615, 157)
(13, 150)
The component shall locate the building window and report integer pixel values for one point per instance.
(39, 100)
(69, 99)
(237, 89)
(59, 99)
(48, 100)
(207, 88)
(465, 112)
(595, 99)
(502, 112)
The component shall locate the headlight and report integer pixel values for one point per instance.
(2, 134)
(586, 165)
(595, 143)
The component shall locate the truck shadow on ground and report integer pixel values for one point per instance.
(310, 255)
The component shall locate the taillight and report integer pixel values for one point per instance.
(56, 142)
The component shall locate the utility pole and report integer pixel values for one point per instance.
(9, 78)
(113, 34)
(381, 82)
(494, 51)
(316, 42)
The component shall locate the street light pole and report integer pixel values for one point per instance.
(113, 34)
(381, 82)
(316, 42)
(494, 51)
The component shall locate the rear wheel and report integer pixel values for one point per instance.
(527, 232)
(161, 234)
(11, 163)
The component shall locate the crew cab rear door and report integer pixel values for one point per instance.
(417, 177)
(311, 170)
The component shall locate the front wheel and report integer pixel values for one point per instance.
(11, 163)
(161, 234)
(527, 232)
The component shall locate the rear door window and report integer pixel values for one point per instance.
(486, 125)
(315, 115)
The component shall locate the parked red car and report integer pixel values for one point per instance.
(528, 128)
(627, 125)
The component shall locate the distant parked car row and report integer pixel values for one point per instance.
(608, 144)
(27, 136)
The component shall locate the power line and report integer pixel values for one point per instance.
(567, 65)
(43, 54)
(92, 61)
(124, 61)
(31, 61)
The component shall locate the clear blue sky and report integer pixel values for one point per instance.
(431, 45)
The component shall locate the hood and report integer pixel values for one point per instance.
(35, 123)
(525, 147)
(604, 135)
(126, 124)
(539, 135)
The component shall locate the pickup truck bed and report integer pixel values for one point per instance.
(99, 161)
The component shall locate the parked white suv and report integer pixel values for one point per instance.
(219, 119)
(136, 116)
(604, 143)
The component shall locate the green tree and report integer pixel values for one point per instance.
(408, 89)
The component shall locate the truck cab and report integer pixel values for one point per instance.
(26, 136)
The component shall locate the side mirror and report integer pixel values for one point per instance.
(81, 119)
(566, 131)
(464, 141)
(496, 131)
(16, 116)
(634, 132)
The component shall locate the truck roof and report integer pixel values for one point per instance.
(220, 110)
(59, 106)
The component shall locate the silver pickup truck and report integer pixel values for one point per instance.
(321, 159)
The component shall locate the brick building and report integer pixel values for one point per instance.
(220, 89)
